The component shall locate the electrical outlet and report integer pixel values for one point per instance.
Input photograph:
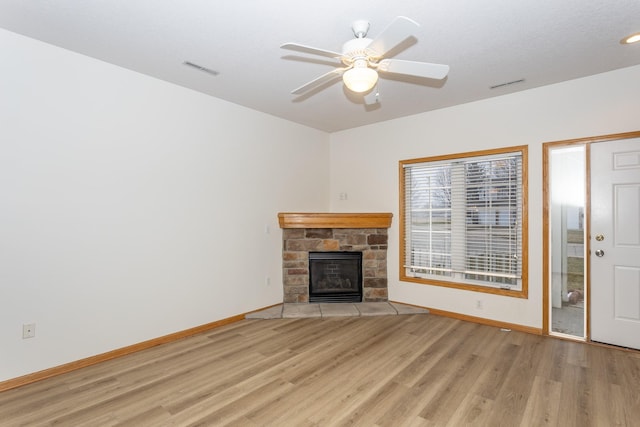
(28, 330)
(479, 304)
(343, 196)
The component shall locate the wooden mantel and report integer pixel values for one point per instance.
(334, 220)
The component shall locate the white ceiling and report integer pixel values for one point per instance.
(485, 43)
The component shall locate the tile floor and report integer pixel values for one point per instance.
(361, 309)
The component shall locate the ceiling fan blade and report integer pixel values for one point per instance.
(399, 30)
(414, 68)
(319, 81)
(312, 50)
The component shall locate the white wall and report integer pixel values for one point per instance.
(131, 208)
(364, 164)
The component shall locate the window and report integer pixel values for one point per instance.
(463, 221)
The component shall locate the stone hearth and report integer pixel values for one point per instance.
(323, 232)
(323, 310)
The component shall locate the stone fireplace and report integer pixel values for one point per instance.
(305, 233)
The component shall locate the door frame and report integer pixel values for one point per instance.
(546, 282)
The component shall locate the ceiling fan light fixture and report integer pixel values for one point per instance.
(360, 78)
(633, 38)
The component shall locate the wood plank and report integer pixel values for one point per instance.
(543, 405)
(473, 410)
(516, 388)
(404, 370)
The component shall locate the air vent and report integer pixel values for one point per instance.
(506, 84)
(201, 68)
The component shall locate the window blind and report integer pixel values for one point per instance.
(463, 219)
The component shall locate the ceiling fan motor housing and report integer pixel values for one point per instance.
(355, 49)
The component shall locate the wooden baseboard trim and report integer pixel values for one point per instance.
(93, 360)
(489, 322)
(82, 363)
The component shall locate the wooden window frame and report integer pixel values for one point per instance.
(518, 293)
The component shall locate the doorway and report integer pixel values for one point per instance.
(591, 242)
(615, 244)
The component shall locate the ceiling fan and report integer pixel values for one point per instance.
(363, 58)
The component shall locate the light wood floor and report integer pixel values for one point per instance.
(409, 370)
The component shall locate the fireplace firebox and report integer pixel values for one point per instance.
(335, 277)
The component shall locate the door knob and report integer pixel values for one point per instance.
(599, 237)
(600, 252)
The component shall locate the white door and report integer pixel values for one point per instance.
(615, 242)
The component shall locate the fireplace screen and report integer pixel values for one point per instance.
(335, 276)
